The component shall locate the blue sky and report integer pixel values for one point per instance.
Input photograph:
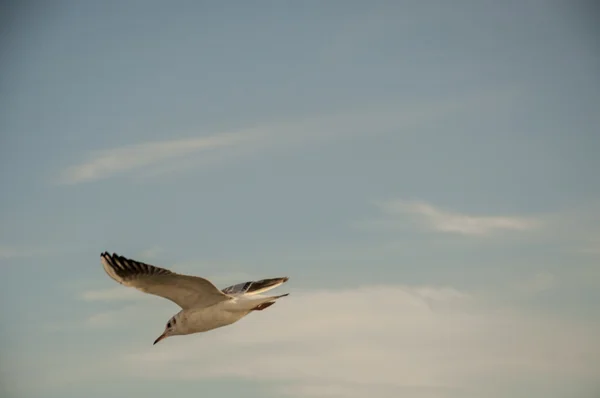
(426, 173)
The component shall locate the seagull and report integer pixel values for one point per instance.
(203, 306)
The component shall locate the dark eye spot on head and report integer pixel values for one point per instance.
(169, 324)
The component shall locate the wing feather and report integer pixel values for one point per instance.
(184, 290)
(254, 287)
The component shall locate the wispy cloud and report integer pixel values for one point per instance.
(453, 222)
(426, 341)
(103, 164)
(176, 154)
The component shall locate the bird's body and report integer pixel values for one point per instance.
(204, 306)
(205, 319)
(196, 320)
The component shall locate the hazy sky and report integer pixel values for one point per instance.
(425, 172)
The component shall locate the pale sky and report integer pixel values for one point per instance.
(425, 172)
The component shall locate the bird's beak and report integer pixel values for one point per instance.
(162, 336)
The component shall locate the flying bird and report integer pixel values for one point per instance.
(203, 306)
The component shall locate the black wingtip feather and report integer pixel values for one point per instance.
(128, 268)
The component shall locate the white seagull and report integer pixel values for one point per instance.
(204, 306)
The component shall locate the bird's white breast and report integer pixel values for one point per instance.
(204, 319)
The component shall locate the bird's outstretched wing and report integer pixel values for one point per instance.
(254, 287)
(184, 290)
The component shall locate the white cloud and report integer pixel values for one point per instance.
(322, 390)
(103, 164)
(176, 154)
(451, 222)
(385, 340)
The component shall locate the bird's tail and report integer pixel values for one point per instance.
(254, 303)
(267, 304)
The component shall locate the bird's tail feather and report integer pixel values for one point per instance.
(269, 303)
(254, 303)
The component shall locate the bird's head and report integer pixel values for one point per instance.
(170, 330)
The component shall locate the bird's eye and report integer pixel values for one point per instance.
(169, 324)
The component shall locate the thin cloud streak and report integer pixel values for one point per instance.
(103, 164)
(176, 154)
(452, 222)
